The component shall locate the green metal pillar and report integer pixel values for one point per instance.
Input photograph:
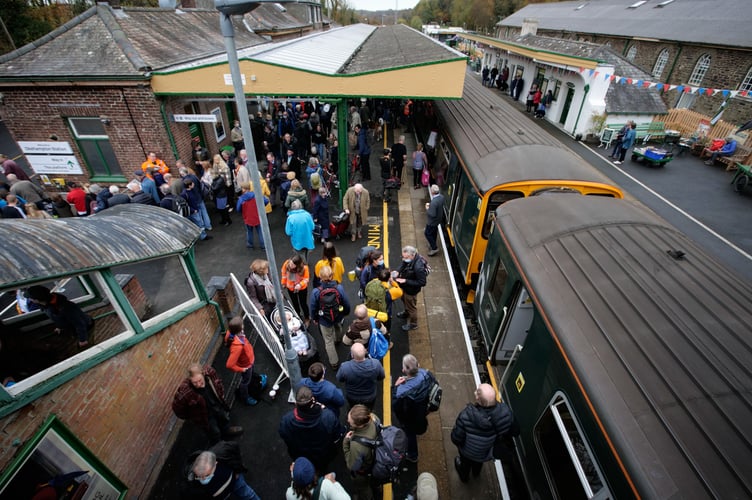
(344, 145)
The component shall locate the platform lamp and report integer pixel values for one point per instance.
(228, 8)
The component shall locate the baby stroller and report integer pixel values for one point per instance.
(339, 225)
(302, 341)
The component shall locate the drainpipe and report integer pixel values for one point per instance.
(582, 105)
(673, 66)
(343, 127)
(169, 131)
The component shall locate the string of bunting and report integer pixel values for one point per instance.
(665, 86)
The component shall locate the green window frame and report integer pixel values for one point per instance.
(95, 147)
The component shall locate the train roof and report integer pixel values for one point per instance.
(497, 143)
(43, 249)
(665, 341)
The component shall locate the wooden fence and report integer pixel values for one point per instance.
(688, 123)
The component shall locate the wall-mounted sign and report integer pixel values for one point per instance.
(194, 118)
(228, 79)
(54, 164)
(45, 148)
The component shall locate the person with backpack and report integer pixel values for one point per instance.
(361, 327)
(412, 278)
(480, 429)
(410, 402)
(359, 456)
(329, 307)
(380, 294)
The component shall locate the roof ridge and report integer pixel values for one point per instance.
(121, 38)
(49, 36)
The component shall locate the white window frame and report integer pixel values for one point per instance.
(747, 81)
(701, 68)
(632, 53)
(660, 63)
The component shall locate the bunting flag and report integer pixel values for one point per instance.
(664, 87)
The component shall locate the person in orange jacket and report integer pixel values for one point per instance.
(158, 165)
(242, 358)
(294, 276)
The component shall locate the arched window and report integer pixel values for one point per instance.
(660, 63)
(702, 66)
(747, 82)
(632, 53)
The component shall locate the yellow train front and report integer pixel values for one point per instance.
(485, 152)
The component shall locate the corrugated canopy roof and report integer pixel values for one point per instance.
(34, 249)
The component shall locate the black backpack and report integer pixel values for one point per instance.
(180, 206)
(434, 394)
(390, 447)
(330, 303)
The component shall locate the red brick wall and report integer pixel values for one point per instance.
(121, 409)
(136, 125)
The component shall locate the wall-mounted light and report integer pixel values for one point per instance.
(105, 120)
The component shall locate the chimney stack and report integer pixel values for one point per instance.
(529, 26)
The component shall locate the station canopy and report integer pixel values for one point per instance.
(353, 61)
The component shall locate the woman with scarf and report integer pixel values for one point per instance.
(295, 277)
(260, 288)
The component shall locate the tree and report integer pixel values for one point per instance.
(21, 24)
(416, 23)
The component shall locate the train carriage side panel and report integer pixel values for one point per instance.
(658, 342)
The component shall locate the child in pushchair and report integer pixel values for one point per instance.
(302, 342)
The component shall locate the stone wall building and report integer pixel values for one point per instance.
(702, 44)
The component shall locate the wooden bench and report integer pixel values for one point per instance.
(741, 155)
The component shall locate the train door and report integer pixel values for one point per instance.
(515, 325)
(567, 103)
(568, 460)
(465, 223)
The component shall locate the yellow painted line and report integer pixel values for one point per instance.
(494, 383)
(387, 418)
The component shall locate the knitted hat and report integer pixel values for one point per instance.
(303, 473)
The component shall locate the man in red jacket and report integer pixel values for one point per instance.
(200, 399)
(242, 358)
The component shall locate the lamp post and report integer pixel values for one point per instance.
(228, 8)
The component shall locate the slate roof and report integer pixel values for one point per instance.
(268, 18)
(619, 98)
(714, 22)
(349, 50)
(396, 46)
(123, 43)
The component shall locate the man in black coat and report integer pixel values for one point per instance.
(412, 279)
(479, 428)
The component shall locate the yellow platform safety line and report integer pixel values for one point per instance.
(387, 385)
(494, 383)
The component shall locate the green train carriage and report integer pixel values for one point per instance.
(634, 377)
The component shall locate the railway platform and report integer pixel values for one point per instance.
(438, 343)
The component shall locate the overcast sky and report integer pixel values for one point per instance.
(382, 4)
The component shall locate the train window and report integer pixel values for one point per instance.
(34, 348)
(570, 467)
(555, 190)
(154, 278)
(494, 200)
(496, 283)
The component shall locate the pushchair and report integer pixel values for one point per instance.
(389, 184)
(339, 225)
(302, 341)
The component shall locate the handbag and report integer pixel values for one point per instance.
(425, 177)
